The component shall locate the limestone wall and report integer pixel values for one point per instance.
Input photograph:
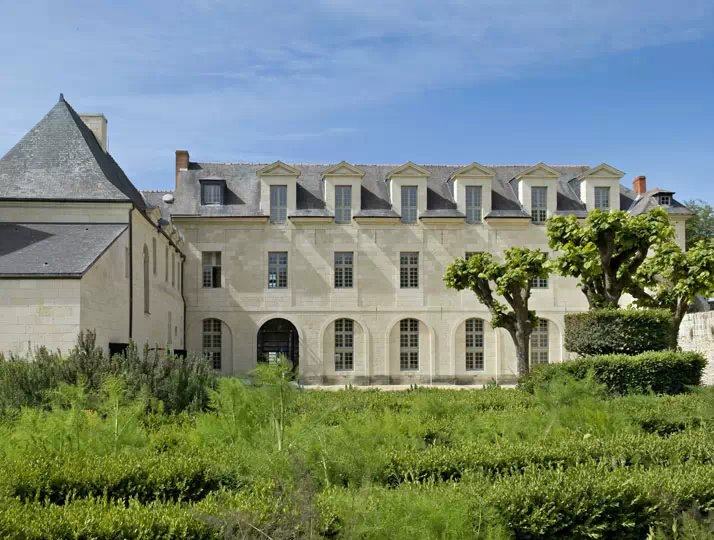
(36, 312)
(697, 334)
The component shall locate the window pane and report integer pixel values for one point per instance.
(539, 283)
(473, 204)
(539, 204)
(211, 275)
(212, 193)
(408, 344)
(278, 204)
(343, 204)
(539, 343)
(343, 269)
(602, 198)
(212, 339)
(344, 344)
(409, 204)
(474, 345)
(409, 270)
(277, 270)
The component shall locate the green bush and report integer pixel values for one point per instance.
(143, 477)
(102, 520)
(178, 383)
(661, 372)
(618, 331)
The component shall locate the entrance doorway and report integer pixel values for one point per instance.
(278, 337)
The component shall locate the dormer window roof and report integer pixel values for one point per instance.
(213, 191)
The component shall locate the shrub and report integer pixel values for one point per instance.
(102, 520)
(662, 372)
(618, 331)
(144, 477)
(179, 383)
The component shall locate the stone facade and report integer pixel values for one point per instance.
(696, 333)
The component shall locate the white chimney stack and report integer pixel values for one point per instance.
(98, 124)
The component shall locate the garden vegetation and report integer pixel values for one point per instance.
(151, 446)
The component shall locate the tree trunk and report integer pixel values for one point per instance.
(679, 312)
(522, 342)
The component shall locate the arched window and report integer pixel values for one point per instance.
(147, 290)
(212, 341)
(474, 345)
(344, 344)
(539, 343)
(408, 344)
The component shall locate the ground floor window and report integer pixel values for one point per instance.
(539, 343)
(344, 344)
(474, 345)
(212, 341)
(408, 344)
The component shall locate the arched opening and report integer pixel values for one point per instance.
(277, 337)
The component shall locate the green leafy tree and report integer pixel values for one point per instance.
(701, 225)
(606, 250)
(511, 280)
(670, 278)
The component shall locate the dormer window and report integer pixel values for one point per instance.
(602, 198)
(665, 200)
(539, 204)
(409, 204)
(212, 192)
(473, 204)
(278, 203)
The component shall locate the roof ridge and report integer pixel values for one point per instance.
(357, 163)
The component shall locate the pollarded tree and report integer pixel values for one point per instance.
(606, 250)
(670, 278)
(511, 280)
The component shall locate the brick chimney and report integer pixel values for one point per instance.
(97, 122)
(639, 185)
(181, 161)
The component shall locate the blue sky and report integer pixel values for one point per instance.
(497, 81)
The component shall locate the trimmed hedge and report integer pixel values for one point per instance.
(450, 464)
(58, 479)
(618, 331)
(662, 372)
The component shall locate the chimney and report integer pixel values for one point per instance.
(639, 185)
(181, 161)
(98, 124)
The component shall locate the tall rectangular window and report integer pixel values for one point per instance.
(166, 264)
(344, 344)
(343, 269)
(473, 204)
(211, 269)
(409, 270)
(409, 204)
(343, 204)
(211, 193)
(539, 204)
(153, 255)
(173, 269)
(474, 345)
(278, 204)
(277, 269)
(602, 198)
(539, 343)
(212, 341)
(408, 344)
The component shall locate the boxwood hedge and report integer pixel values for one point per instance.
(618, 331)
(661, 372)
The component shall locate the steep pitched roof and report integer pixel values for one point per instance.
(54, 249)
(61, 159)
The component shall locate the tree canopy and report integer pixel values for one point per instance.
(606, 250)
(701, 225)
(511, 280)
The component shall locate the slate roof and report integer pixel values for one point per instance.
(649, 200)
(242, 197)
(61, 159)
(54, 249)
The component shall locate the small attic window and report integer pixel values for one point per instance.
(665, 200)
(212, 192)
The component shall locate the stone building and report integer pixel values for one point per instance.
(337, 266)
(79, 246)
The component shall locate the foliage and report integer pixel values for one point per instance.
(620, 331)
(177, 383)
(701, 225)
(568, 460)
(512, 281)
(671, 278)
(661, 372)
(606, 251)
